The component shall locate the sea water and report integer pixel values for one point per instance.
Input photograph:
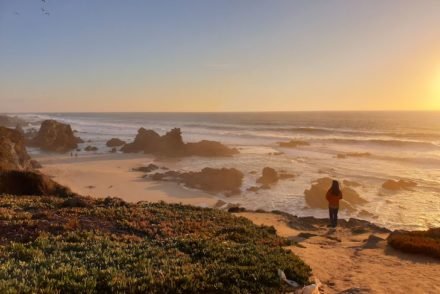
(401, 145)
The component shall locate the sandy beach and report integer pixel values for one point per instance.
(345, 262)
(111, 175)
(340, 259)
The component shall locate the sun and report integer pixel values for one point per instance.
(435, 91)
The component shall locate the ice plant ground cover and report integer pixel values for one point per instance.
(107, 245)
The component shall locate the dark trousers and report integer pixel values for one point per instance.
(333, 212)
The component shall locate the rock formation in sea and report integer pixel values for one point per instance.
(171, 144)
(315, 196)
(91, 148)
(55, 136)
(293, 144)
(114, 142)
(13, 154)
(269, 177)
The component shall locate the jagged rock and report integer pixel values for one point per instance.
(146, 169)
(145, 141)
(270, 176)
(315, 196)
(209, 149)
(114, 142)
(399, 185)
(16, 182)
(91, 148)
(13, 154)
(55, 136)
(171, 144)
(293, 144)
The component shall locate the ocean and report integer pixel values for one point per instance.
(400, 145)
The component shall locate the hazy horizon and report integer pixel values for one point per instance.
(195, 56)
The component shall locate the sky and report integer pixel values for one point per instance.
(214, 55)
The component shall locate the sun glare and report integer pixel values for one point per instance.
(435, 91)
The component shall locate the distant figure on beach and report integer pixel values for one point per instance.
(333, 196)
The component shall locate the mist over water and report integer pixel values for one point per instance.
(401, 145)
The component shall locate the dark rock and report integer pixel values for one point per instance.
(91, 148)
(13, 154)
(55, 136)
(166, 176)
(270, 176)
(171, 144)
(227, 180)
(372, 242)
(30, 183)
(114, 150)
(293, 144)
(146, 141)
(115, 142)
(146, 169)
(209, 149)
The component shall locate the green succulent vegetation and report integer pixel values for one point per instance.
(49, 245)
(421, 242)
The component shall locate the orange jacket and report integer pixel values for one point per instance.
(333, 200)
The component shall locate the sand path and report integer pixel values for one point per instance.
(342, 263)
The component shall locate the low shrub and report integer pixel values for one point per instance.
(148, 247)
(421, 242)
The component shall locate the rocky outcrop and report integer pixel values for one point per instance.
(315, 196)
(293, 144)
(398, 185)
(55, 136)
(115, 142)
(16, 182)
(146, 141)
(12, 121)
(269, 177)
(212, 180)
(209, 149)
(171, 144)
(13, 154)
(146, 169)
(226, 180)
(91, 148)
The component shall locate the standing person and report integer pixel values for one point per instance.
(333, 196)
